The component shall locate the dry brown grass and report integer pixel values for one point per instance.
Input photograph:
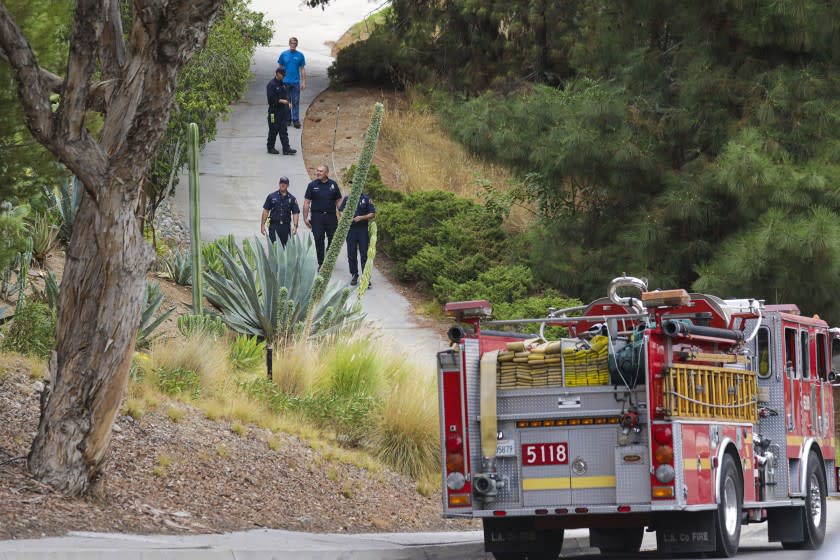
(427, 159)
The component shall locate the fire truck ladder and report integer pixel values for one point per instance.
(710, 392)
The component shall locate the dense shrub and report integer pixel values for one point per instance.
(374, 186)
(499, 284)
(381, 60)
(32, 331)
(432, 234)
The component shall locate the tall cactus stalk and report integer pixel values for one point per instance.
(195, 218)
(343, 228)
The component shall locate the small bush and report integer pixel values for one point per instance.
(499, 284)
(246, 352)
(201, 325)
(381, 60)
(175, 414)
(44, 235)
(374, 186)
(178, 382)
(351, 370)
(32, 331)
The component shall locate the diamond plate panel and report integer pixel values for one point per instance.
(679, 481)
(632, 477)
(471, 367)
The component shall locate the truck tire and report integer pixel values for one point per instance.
(625, 540)
(554, 544)
(728, 514)
(813, 514)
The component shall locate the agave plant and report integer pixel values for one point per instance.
(67, 200)
(179, 267)
(270, 300)
(148, 322)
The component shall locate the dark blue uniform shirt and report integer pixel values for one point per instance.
(364, 208)
(323, 195)
(281, 207)
(276, 91)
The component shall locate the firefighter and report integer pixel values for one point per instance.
(358, 238)
(282, 209)
(322, 197)
(279, 108)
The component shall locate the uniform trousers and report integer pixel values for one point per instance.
(279, 230)
(278, 124)
(323, 224)
(358, 240)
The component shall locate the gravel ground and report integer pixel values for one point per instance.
(217, 481)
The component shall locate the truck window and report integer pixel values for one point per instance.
(822, 356)
(806, 354)
(835, 355)
(763, 347)
(790, 353)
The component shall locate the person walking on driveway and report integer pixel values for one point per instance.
(322, 195)
(278, 113)
(295, 64)
(282, 211)
(358, 238)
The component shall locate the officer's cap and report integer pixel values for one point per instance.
(280, 70)
(284, 180)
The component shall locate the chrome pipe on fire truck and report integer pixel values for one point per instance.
(627, 281)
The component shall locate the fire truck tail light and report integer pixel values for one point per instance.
(561, 511)
(541, 511)
(499, 513)
(454, 443)
(663, 434)
(665, 473)
(459, 500)
(664, 454)
(662, 492)
(582, 510)
(623, 509)
(454, 462)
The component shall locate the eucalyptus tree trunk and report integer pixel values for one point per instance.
(130, 79)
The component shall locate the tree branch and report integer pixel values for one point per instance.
(112, 49)
(34, 86)
(81, 64)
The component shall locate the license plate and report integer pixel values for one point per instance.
(536, 454)
(505, 448)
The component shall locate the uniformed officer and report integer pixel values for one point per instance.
(282, 209)
(279, 108)
(323, 196)
(358, 238)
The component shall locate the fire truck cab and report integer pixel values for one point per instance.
(685, 414)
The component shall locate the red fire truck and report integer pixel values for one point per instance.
(685, 414)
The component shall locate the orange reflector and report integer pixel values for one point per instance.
(548, 422)
(586, 421)
(541, 511)
(613, 420)
(500, 513)
(574, 421)
(664, 454)
(623, 509)
(560, 422)
(521, 424)
(581, 510)
(459, 500)
(601, 420)
(535, 423)
(662, 492)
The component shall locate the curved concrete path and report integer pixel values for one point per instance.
(237, 173)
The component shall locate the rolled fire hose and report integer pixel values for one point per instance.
(488, 404)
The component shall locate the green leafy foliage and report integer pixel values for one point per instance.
(43, 233)
(432, 235)
(12, 233)
(178, 382)
(381, 60)
(32, 330)
(246, 352)
(374, 187)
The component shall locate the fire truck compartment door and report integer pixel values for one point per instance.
(545, 482)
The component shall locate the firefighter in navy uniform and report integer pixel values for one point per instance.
(322, 195)
(281, 208)
(279, 108)
(358, 238)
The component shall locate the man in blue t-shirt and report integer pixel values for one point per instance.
(358, 239)
(295, 80)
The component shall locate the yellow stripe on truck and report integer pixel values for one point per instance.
(565, 483)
